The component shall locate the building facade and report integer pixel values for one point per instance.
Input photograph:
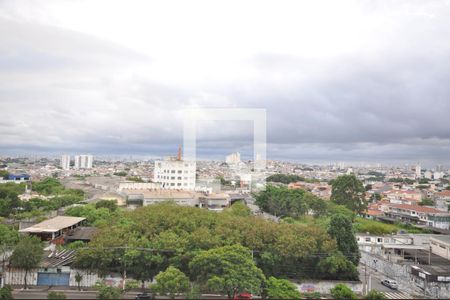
(173, 173)
(233, 158)
(83, 161)
(65, 162)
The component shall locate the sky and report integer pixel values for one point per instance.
(339, 80)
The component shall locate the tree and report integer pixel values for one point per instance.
(111, 205)
(105, 292)
(281, 289)
(27, 255)
(172, 281)
(239, 209)
(4, 174)
(78, 279)
(6, 292)
(347, 190)
(375, 295)
(337, 266)
(9, 198)
(341, 291)
(228, 269)
(284, 178)
(284, 202)
(8, 239)
(426, 202)
(341, 230)
(56, 295)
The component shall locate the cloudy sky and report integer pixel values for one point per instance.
(340, 80)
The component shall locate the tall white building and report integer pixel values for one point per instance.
(83, 161)
(65, 162)
(175, 173)
(418, 171)
(233, 158)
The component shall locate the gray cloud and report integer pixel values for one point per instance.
(62, 90)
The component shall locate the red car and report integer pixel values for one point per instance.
(243, 296)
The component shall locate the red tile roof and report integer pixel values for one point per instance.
(445, 193)
(418, 208)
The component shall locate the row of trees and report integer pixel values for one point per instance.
(284, 202)
(60, 196)
(146, 241)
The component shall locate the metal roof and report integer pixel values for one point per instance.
(53, 225)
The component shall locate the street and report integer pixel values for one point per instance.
(375, 283)
(73, 294)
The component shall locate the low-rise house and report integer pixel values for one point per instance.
(419, 215)
(442, 200)
(410, 197)
(19, 178)
(216, 202)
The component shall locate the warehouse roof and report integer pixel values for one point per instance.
(54, 224)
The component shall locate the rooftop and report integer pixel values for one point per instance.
(54, 224)
(423, 209)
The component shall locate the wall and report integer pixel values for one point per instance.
(323, 287)
(88, 279)
(15, 277)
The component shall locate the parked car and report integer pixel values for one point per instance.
(243, 296)
(390, 283)
(145, 296)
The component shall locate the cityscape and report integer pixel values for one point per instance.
(257, 150)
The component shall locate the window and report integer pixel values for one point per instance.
(368, 239)
(179, 171)
(173, 171)
(172, 184)
(379, 240)
(179, 183)
(173, 177)
(179, 178)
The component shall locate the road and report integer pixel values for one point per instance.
(375, 283)
(73, 294)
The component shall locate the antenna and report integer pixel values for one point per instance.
(179, 153)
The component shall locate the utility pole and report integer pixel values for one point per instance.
(365, 278)
(429, 256)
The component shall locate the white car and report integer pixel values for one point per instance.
(390, 283)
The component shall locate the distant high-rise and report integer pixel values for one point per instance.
(65, 162)
(233, 158)
(83, 161)
(418, 171)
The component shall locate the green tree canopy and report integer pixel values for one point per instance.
(228, 269)
(27, 255)
(111, 205)
(347, 190)
(171, 282)
(106, 292)
(281, 289)
(284, 202)
(341, 229)
(337, 266)
(375, 295)
(341, 291)
(6, 292)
